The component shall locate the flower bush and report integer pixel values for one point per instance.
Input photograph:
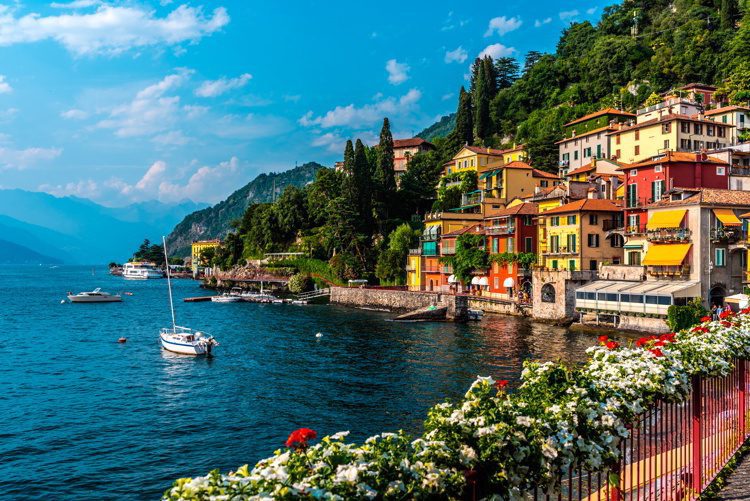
(560, 418)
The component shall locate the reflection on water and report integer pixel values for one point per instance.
(124, 420)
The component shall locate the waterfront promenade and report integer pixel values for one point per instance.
(738, 483)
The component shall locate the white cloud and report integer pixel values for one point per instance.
(150, 111)
(502, 25)
(568, 14)
(75, 4)
(213, 88)
(353, 116)
(497, 50)
(171, 138)
(446, 97)
(539, 23)
(87, 188)
(4, 86)
(591, 10)
(332, 142)
(111, 29)
(74, 114)
(18, 159)
(398, 73)
(292, 98)
(458, 55)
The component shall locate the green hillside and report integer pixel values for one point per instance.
(441, 128)
(215, 222)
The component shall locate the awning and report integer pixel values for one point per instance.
(489, 173)
(634, 246)
(475, 281)
(509, 282)
(452, 279)
(484, 281)
(678, 288)
(727, 217)
(665, 219)
(666, 254)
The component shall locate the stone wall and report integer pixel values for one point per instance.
(391, 300)
(622, 272)
(564, 284)
(629, 323)
(496, 306)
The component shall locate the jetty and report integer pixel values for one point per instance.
(197, 299)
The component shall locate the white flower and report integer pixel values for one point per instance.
(340, 435)
(467, 455)
(548, 449)
(524, 421)
(346, 474)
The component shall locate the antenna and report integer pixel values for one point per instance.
(169, 283)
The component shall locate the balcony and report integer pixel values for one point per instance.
(728, 235)
(447, 250)
(473, 198)
(411, 268)
(610, 225)
(669, 235)
(739, 171)
(669, 271)
(637, 203)
(638, 229)
(415, 252)
(507, 229)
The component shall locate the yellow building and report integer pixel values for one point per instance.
(414, 270)
(576, 235)
(198, 248)
(739, 116)
(478, 159)
(637, 142)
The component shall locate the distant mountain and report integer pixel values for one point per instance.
(441, 128)
(214, 222)
(11, 253)
(76, 230)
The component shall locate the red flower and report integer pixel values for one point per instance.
(724, 314)
(669, 338)
(298, 438)
(501, 385)
(657, 352)
(705, 319)
(745, 311)
(726, 324)
(611, 345)
(603, 338)
(659, 343)
(699, 329)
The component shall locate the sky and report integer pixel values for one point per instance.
(130, 101)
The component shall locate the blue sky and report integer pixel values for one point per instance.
(129, 101)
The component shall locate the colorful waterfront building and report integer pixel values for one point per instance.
(647, 181)
(448, 281)
(499, 185)
(197, 249)
(577, 236)
(586, 138)
(404, 150)
(480, 159)
(511, 232)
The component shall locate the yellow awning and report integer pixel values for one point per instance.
(666, 254)
(727, 217)
(666, 219)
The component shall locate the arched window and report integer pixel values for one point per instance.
(548, 293)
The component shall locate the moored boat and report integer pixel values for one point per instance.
(95, 296)
(139, 270)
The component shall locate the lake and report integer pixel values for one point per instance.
(85, 417)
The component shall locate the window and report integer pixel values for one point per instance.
(634, 221)
(666, 128)
(572, 264)
(658, 168)
(616, 241)
(657, 189)
(554, 264)
(548, 290)
(554, 221)
(617, 139)
(593, 219)
(592, 264)
(652, 300)
(637, 135)
(637, 150)
(666, 144)
(710, 130)
(497, 283)
(632, 195)
(528, 220)
(697, 128)
(510, 245)
(724, 120)
(720, 171)
(572, 243)
(528, 244)
(698, 145)
(571, 220)
(685, 144)
(617, 153)
(633, 172)
(685, 127)
(720, 257)
(586, 152)
(575, 155)
(742, 119)
(598, 151)
(593, 239)
(566, 157)
(495, 245)
(554, 244)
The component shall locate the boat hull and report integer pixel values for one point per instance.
(183, 348)
(83, 299)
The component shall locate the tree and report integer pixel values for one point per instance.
(728, 13)
(532, 57)
(506, 69)
(299, 283)
(684, 317)
(329, 184)
(291, 212)
(384, 179)
(481, 100)
(490, 77)
(361, 181)
(417, 188)
(463, 134)
(470, 257)
(349, 157)
(653, 99)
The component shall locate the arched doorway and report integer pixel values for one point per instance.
(548, 293)
(717, 294)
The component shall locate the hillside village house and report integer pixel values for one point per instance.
(586, 138)
(697, 92)
(739, 116)
(404, 150)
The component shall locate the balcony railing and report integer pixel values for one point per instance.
(609, 224)
(728, 235)
(637, 229)
(739, 171)
(664, 235)
(682, 271)
(635, 203)
(501, 230)
(560, 251)
(472, 199)
(415, 252)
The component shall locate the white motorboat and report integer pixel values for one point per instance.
(183, 340)
(226, 298)
(138, 270)
(95, 296)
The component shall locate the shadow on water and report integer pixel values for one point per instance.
(89, 418)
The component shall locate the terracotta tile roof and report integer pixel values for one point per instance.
(706, 196)
(517, 210)
(543, 174)
(605, 111)
(726, 109)
(697, 85)
(667, 118)
(475, 228)
(517, 164)
(410, 143)
(672, 156)
(586, 205)
(606, 128)
(493, 152)
(582, 169)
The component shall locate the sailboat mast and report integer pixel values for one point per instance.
(169, 282)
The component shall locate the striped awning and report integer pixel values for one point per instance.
(489, 173)
(665, 219)
(666, 254)
(727, 217)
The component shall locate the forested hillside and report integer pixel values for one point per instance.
(638, 47)
(215, 222)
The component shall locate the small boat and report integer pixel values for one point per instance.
(226, 298)
(473, 314)
(183, 340)
(95, 296)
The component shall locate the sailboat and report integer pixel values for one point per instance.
(180, 339)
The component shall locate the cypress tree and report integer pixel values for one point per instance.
(348, 157)
(482, 125)
(490, 76)
(728, 12)
(362, 180)
(464, 130)
(384, 177)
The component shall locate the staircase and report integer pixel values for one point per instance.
(306, 296)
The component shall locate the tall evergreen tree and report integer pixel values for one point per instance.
(362, 182)
(531, 59)
(464, 131)
(481, 98)
(349, 157)
(506, 70)
(490, 76)
(384, 178)
(728, 12)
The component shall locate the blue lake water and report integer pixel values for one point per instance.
(84, 417)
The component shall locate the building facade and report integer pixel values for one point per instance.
(511, 231)
(196, 253)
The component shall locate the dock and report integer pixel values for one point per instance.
(197, 299)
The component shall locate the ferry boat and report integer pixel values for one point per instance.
(95, 296)
(138, 270)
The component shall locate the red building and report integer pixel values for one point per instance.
(648, 180)
(513, 231)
